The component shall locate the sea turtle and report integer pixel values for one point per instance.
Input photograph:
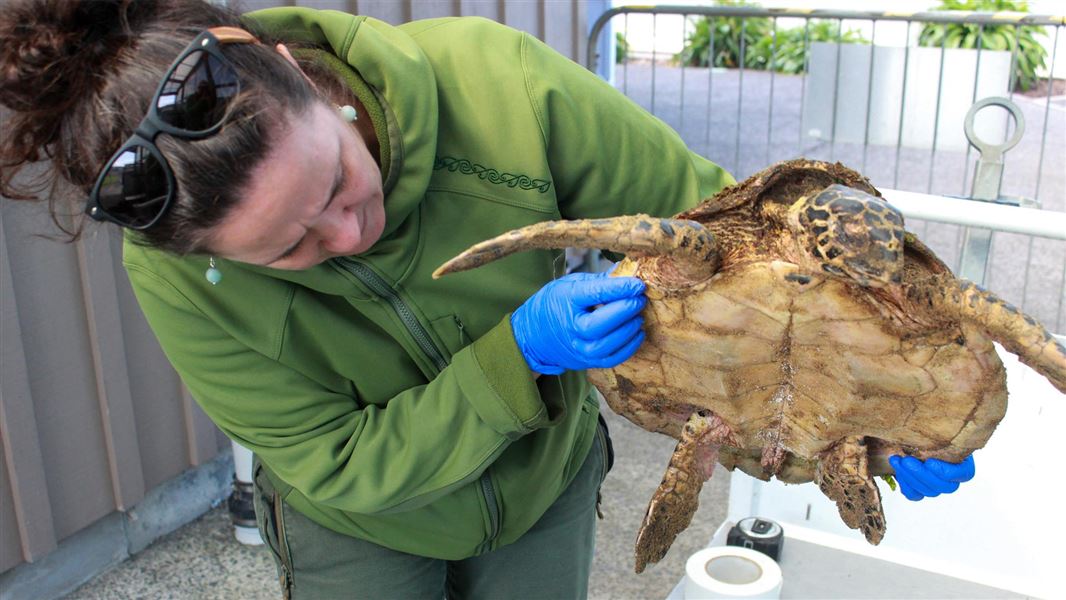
(796, 330)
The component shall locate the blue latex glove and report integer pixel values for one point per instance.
(561, 327)
(918, 479)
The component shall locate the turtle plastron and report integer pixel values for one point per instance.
(675, 501)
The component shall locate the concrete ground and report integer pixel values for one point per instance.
(202, 560)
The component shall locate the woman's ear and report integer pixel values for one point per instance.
(284, 52)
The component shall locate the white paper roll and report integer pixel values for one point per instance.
(731, 572)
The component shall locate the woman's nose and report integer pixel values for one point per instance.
(338, 231)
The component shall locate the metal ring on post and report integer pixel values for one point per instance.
(1012, 108)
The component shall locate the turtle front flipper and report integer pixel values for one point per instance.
(690, 247)
(674, 503)
(843, 475)
(1018, 332)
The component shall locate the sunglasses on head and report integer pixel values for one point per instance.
(136, 187)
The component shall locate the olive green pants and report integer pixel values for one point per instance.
(552, 560)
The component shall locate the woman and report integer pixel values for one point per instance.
(414, 437)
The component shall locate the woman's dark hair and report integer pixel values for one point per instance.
(78, 76)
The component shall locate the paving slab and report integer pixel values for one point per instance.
(202, 560)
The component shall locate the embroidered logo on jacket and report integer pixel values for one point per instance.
(491, 175)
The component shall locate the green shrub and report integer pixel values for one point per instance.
(789, 56)
(792, 47)
(1030, 54)
(621, 47)
(727, 33)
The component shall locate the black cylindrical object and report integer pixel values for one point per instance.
(757, 533)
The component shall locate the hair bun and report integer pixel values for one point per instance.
(53, 51)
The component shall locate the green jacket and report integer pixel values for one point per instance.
(385, 404)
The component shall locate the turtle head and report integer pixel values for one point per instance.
(851, 233)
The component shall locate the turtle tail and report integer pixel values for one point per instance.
(1018, 332)
(689, 244)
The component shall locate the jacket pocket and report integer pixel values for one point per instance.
(270, 518)
(451, 331)
(603, 437)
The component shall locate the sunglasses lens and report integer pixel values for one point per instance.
(134, 190)
(197, 93)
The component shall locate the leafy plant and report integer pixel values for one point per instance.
(621, 47)
(1030, 54)
(788, 53)
(727, 40)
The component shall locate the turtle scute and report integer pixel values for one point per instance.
(796, 330)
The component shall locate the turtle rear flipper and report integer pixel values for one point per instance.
(843, 475)
(678, 496)
(691, 248)
(1018, 332)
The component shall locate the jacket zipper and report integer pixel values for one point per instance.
(283, 546)
(602, 438)
(462, 330)
(494, 511)
(381, 288)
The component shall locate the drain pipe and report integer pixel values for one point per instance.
(241, 509)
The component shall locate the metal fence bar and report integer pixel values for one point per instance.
(836, 91)
(966, 161)
(936, 114)
(986, 273)
(740, 95)
(973, 98)
(983, 215)
(869, 94)
(803, 86)
(710, 79)
(681, 125)
(936, 123)
(902, 103)
(654, 37)
(1013, 63)
(1039, 174)
(625, 63)
(770, 112)
(1025, 278)
(1011, 83)
(1059, 317)
(1047, 108)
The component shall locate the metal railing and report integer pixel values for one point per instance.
(866, 105)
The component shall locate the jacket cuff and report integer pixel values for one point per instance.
(501, 386)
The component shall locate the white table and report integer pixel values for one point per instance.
(814, 570)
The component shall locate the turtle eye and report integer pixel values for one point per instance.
(854, 235)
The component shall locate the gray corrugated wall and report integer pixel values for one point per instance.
(91, 414)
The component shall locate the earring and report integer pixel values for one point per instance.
(212, 274)
(348, 112)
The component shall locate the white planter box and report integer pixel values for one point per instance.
(919, 109)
